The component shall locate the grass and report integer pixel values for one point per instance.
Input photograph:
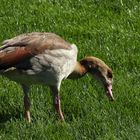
(107, 29)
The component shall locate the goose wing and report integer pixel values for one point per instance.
(25, 46)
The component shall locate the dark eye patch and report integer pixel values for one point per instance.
(109, 74)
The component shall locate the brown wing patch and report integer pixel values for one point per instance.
(37, 42)
(10, 59)
(27, 45)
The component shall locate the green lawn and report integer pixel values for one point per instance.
(108, 29)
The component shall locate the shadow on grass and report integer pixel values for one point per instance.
(5, 117)
(6, 120)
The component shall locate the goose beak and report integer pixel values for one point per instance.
(109, 92)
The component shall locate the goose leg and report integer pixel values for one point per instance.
(56, 101)
(26, 102)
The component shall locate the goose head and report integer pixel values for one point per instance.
(98, 69)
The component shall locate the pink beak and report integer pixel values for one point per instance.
(109, 92)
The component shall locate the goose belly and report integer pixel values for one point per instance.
(24, 77)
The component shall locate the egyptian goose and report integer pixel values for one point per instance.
(47, 59)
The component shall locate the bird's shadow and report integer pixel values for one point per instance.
(6, 117)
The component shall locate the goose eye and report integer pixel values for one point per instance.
(109, 74)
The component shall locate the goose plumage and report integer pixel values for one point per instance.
(47, 59)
